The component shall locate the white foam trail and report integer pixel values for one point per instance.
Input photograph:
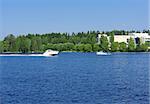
(21, 55)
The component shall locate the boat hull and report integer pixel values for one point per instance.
(50, 53)
(102, 53)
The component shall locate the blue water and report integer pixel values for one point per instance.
(75, 78)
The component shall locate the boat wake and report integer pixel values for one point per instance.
(47, 53)
(21, 55)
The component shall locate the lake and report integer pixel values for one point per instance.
(75, 78)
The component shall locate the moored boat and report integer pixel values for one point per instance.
(103, 53)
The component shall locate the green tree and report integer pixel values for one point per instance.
(79, 47)
(84, 40)
(74, 40)
(10, 39)
(87, 48)
(93, 40)
(131, 45)
(6, 46)
(114, 46)
(69, 46)
(48, 46)
(39, 43)
(34, 45)
(96, 48)
(1, 47)
(148, 44)
(122, 46)
(60, 47)
(142, 48)
(17, 44)
(111, 38)
(25, 44)
(104, 43)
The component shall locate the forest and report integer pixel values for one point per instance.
(74, 42)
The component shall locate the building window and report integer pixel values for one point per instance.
(137, 40)
(127, 40)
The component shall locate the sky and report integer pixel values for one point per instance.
(20, 17)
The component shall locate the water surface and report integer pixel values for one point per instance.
(75, 78)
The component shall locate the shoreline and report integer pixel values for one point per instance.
(19, 53)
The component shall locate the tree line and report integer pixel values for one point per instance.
(80, 42)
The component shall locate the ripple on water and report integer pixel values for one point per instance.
(75, 78)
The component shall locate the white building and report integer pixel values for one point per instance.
(121, 38)
(142, 37)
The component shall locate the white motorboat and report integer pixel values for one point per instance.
(50, 53)
(103, 53)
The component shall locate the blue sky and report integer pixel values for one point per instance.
(44, 16)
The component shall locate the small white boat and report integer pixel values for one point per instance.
(50, 53)
(103, 53)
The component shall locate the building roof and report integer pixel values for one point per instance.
(139, 34)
